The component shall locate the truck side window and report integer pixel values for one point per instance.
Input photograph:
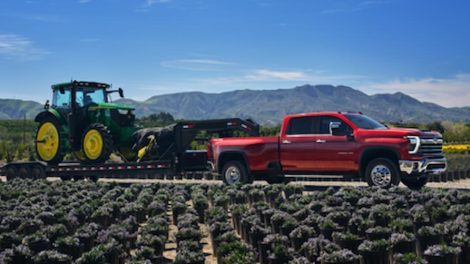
(324, 127)
(301, 126)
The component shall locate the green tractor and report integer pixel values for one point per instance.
(82, 121)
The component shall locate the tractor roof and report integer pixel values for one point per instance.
(96, 85)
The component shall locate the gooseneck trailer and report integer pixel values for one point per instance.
(174, 156)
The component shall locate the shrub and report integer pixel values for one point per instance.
(339, 257)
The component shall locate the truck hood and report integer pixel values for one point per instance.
(399, 132)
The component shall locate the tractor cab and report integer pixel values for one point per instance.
(86, 123)
(84, 96)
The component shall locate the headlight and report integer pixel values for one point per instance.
(414, 144)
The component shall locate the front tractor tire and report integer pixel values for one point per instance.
(383, 173)
(235, 172)
(97, 144)
(48, 147)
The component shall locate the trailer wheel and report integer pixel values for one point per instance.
(11, 173)
(235, 172)
(38, 172)
(383, 173)
(24, 172)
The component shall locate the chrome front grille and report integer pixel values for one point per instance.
(431, 146)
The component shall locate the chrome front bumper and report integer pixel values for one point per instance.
(426, 166)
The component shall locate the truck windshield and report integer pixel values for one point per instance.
(364, 122)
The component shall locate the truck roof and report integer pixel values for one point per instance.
(321, 113)
(87, 84)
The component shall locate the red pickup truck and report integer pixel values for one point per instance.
(339, 143)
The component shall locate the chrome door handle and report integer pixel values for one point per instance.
(320, 141)
(285, 141)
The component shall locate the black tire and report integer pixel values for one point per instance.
(65, 178)
(59, 156)
(11, 173)
(383, 173)
(24, 172)
(107, 147)
(414, 183)
(235, 172)
(38, 172)
(93, 178)
(275, 179)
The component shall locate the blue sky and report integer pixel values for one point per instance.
(150, 47)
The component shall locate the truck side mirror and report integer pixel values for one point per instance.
(337, 129)
(121, 92)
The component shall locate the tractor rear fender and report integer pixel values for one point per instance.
(50, 113)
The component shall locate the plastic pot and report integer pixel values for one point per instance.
(445, 259)
(426, 241)
(263, 252)
(375, 258)
(404, 247)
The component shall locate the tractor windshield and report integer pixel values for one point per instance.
(87, 96)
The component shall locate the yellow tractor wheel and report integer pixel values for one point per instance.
(97, 144)
(48, 141)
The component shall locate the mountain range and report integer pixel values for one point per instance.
(268, 106)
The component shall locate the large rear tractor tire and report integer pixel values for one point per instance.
(97, 144)
(48, 146)
(383, 173)
(235, 172)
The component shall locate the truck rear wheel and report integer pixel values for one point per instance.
(383, 173)
(235, 172)
(97, 144)
(414, 183)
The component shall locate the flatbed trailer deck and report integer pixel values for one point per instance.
(177, 159)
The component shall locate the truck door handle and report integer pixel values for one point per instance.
(285, 141)
(320, 141)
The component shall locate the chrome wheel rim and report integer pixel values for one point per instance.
(381, 175)
(232, 175)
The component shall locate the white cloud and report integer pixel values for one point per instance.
(196, 64)
(449, 92)
(344, 7)
(265, 74)
(145, 7)
(153, 2)
(18, 47)
(254, 78)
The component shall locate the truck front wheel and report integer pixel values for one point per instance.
(383, 173)
(235, 172)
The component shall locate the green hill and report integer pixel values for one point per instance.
(268, 106)
(16, 109)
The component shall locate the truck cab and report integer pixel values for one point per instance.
(336, 143)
